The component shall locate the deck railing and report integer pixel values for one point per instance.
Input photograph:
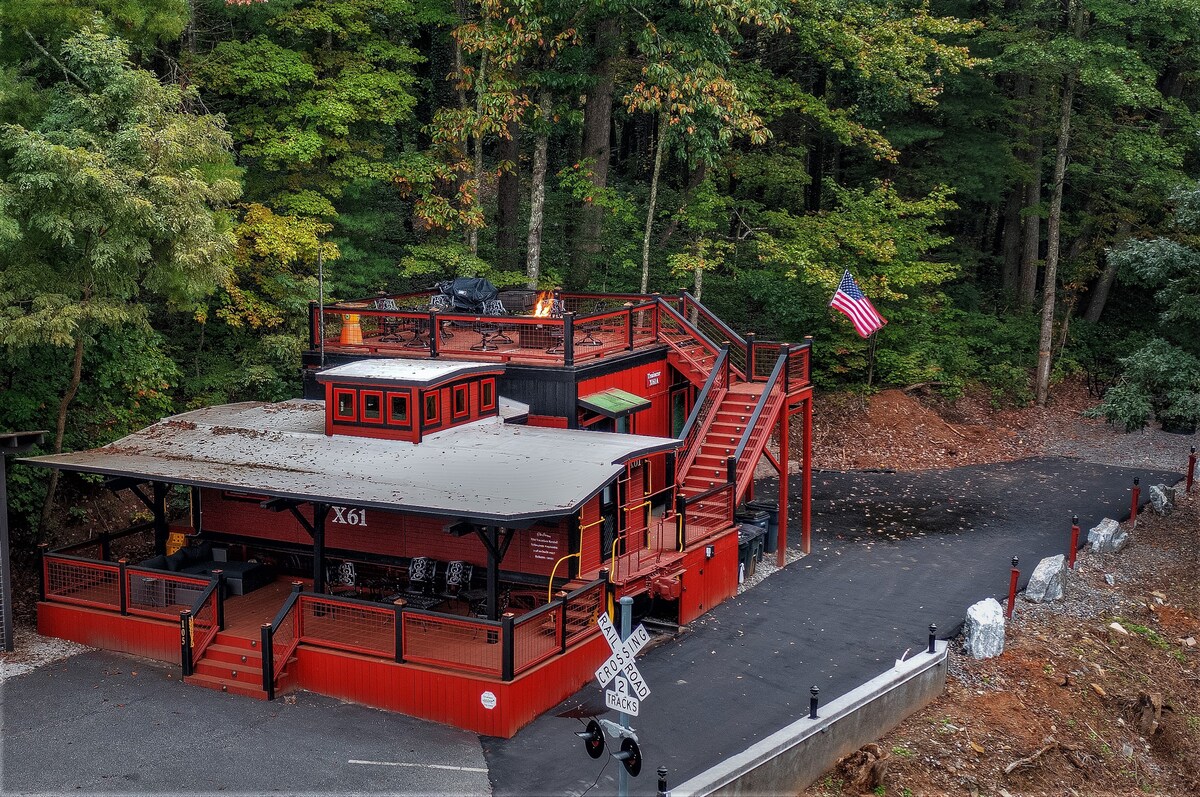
(85, 582)
(714, 329)
(702, 514)
(200, 624)
(536, 636)
(278, 640)
(758, 429)
(161, 593)
(580, 609)
(466, 644)
(704, 411)
(635, 550)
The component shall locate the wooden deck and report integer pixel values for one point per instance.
(245, 614)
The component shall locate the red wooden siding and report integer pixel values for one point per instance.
(589, 544)
(417, 426)
(655, 420)
(534, 550)
(451, 698)
(139, 636)
(551, 421)
(707, 582)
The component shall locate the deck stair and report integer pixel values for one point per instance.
(233, 664)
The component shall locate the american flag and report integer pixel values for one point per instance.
(849, 299)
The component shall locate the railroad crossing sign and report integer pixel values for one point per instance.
(630, 687)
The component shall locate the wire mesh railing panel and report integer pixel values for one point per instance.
(580, 610)
(708, 514)
(68, 580)
(764, 356)
(345, 625)
(536, 637)
(284, 639)
(442, 641)
(204, 626)
(716, 330)
(601, 334)
(757, 439)
(798, 368)
(161, 593)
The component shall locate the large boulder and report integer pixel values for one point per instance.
(985, 629)
(1162, 499)
(1048, 580)
(1107, 537)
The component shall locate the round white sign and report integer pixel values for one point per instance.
(488, 700)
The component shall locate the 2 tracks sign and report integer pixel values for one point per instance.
(630, 687)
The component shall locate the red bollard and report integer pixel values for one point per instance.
(1012, 588)
(1137, 493)
(1191, 475)
(1074, 541)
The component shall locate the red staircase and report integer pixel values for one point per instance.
(233, 664)
(709, 468)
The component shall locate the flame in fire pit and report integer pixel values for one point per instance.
(545, 304)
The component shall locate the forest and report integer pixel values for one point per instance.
(1013, 184)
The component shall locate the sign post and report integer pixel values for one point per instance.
(629, 687)
(10, 443)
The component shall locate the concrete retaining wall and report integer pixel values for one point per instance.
(792, 758)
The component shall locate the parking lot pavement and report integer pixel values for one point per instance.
(104, 723)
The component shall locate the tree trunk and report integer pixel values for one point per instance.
(61, 427)
(1052, 239)
(697, 284)
(508, 199)
(658, 158)
(1032, 235)
(1012, 241)
(1107, 277)
(597, 143)
(477, 199)
(537, 200)
(816, 152)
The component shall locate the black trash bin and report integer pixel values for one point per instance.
(772, 510)
(746, 561)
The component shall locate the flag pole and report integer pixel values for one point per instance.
(871, 358)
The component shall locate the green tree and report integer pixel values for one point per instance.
(113, 195)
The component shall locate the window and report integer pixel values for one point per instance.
(487, 400)
(462, 406)
(431, 407)
(372, 406)
(398, 409)
(343, 405)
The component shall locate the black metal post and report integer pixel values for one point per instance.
(435, 333)
(750, 337)
(731, 469)
(568, 319)
(932, 636)
(681, 510)
(161, 529)
(185, 640)
(506, 647)
(121, 587)
(493, 574)
(219, 575)
(785, 351)
(399, 657)
(629, 319)
(41, 568)
(197, 512)
(312, 323)
(105, 547)
(320, 512)
(812, 702)
(268, 661)
(662, 783)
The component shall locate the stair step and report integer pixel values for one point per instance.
(219, 685)
(236, 673)
(226, 639)
(233, 655)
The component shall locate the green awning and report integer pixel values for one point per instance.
(614, 403)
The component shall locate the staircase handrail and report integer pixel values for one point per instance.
(273, 665)
(774, 381)
(703, 413)
(690, 424)
(734, 337)
(693, 330)
(198, 646)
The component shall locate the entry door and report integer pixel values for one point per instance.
(680, 408)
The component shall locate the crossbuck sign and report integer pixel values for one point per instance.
(630, 687)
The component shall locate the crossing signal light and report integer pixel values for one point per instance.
(593, 739)
(630, 756)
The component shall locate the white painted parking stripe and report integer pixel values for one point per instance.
(410, 764)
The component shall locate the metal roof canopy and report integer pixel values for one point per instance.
(410, 373)
(614, 403)
(486, 471)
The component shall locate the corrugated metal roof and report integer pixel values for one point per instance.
(488, 470)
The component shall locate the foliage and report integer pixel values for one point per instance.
(1159, 379)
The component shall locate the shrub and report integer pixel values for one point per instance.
(1158, 379)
